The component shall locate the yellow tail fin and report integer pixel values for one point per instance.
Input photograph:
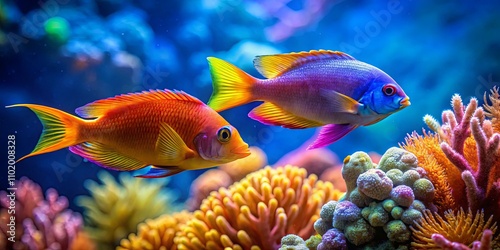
(232, 86)
(60, 129)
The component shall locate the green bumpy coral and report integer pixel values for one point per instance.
(381, 203)
(114, 209)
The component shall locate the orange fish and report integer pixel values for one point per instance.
(170, 130)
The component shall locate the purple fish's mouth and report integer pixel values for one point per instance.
(405, 102)
(241, 151)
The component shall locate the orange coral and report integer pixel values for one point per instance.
(440, 170)
(156, 234)
(461, 228)
(258, 211)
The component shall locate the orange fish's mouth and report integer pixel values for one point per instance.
(241, 151)
(405, 102)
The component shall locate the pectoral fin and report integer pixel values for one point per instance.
(106, 157)
(330, 134)
(160, 172)
(341, 103)
(171, 147)
(269, 113)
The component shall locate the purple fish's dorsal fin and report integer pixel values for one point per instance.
(330, 134)
(272, 66)
(269, 113)
(100, 107)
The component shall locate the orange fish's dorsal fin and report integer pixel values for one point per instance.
(274, 65)
(172, 149)
(269, 113)
(100, 107)
(106, 157)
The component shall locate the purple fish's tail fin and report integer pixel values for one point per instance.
(330, 134)
(232, 86)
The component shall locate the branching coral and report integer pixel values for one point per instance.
(383, 199)
(39, 223)
(156, 234)
(115, 208)
(464, 156)
(432, 231)
(257, 211)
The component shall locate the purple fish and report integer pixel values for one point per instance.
(309, 89)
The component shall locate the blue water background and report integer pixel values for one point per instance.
(433, 49)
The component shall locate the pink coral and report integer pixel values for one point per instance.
(43, 224)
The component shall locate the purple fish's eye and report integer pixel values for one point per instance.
(389, 90)
(224, 134)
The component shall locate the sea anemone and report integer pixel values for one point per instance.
(464, 228)
(156, 234)
(258, 211)
(115, 208)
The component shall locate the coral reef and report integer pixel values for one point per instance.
(114, 209)
(156, 234)
(432, 231)
(380, 204)
(224, 176)
(256, 212)
(484, 244)
(462, 157)
(41, 223)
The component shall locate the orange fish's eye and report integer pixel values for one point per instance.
(224, 134)
(389, 90)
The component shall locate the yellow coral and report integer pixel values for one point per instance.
(462, 228)
(115, 208)
(156, 234)
(493, 110)
(258, 211)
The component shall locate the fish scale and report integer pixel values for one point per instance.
(169, 130)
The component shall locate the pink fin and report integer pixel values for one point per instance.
(100, 107)
(160, 172)
(330, 134)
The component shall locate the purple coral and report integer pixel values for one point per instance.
(345, 212)
(374, 184)
(402, 195)
(44, 224)
(333, 239)
(52, 226)
(377, 200)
